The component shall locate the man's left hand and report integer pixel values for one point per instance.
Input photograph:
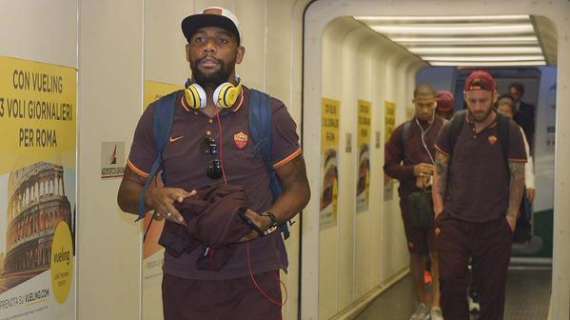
(261, 222)
(531, 194)
(512, 222)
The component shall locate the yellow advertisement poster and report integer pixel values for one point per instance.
(37, 190)
(329, 167)
(154, 90)
(153, 253)
(363, 141)
(389, 126)
(389, 119)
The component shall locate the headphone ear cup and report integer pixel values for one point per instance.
(195, 97)
(226, 95)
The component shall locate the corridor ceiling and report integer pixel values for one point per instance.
(471, 41)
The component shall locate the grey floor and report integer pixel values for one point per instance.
(528, 294)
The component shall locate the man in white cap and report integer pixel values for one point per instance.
(212, 142)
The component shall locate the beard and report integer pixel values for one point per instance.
(212, 80)
(480, 116)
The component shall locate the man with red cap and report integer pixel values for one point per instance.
(445, 104)
(213, 167)
(478, 187)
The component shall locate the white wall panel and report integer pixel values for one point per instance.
(393, 237)
(364, 244)
(44, 31)
(380, 53)
(353, 254)
(164, 44)
(329, 284)
(347, 201)
(110, 100)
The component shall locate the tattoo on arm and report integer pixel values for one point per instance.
(516, 188)
(441, 168)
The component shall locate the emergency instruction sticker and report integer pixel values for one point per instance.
(112, 159)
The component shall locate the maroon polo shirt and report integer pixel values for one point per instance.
(478, 181)
(185, 165)
(400, 156)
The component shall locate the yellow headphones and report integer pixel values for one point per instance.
(225, 95)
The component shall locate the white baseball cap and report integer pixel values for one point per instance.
(211, 17)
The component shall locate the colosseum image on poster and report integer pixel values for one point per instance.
(33, 201)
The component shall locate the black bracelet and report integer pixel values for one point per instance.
(274, 222)
(250, 223)
(269, 214)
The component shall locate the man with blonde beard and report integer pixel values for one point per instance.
(478, 187)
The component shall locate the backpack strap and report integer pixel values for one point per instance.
(503, 126)
(163, 118)
(260, 126)
(455, 127)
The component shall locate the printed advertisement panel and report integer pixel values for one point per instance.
(37, 190)
(329, 165)
(389, 126)
(363, 141)
(153, 253)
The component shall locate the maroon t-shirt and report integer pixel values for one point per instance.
(186, 163)
(478, 179)
(401, 156)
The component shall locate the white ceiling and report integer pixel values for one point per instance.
(493, 41)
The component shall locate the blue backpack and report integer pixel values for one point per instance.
(260, 124)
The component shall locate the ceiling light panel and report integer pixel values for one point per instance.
(445, 18)
(474, 50)
(463, 40)
(487, 64)
(483, 58)
(519, 40)
(454, 29)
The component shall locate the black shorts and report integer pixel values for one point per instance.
(420, 240)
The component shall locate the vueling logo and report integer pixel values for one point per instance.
(62, 256)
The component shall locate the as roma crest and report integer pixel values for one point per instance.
(241, 138)
(492, 139)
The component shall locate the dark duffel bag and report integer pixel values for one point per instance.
(420, 206)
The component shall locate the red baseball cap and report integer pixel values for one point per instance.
(445, 101)
(480, 80)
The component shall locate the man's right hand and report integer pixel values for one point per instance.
(423, 169)
(162, 200)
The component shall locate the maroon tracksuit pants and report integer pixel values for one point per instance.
(235, 299)
(488, 244)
